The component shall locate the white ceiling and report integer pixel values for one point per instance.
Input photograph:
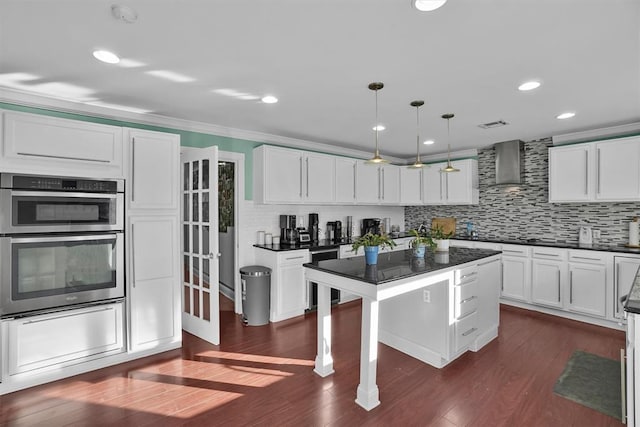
(318, 57)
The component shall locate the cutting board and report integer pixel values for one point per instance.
(448, 224)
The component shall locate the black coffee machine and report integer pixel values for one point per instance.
(288, 231)
(370, 225)
(314, 226)
(334, 231)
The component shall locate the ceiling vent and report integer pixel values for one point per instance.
(496, 124)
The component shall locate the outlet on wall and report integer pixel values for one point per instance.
(426, 296)
(596, 234)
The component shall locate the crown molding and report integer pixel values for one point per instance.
(593, 134)
(431, 158)
(27, 99)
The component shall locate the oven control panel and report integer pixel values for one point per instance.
(26, 182)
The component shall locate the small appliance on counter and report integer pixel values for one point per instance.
(334, 231)
(313, 227)
(288, 230)
(370, 225)
(349, 228)
(586, 236)
(303, 236)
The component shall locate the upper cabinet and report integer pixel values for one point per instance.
(411, 186)
(57, 146)
(284, 176)
(453, 188)
(377, 184)
(345, 182)
(602, 171)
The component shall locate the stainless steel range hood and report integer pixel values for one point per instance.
(509, 162)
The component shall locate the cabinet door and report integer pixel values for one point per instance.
(291, 295)
(154, 281)
(345, 182)
(154, 159)
(390, 184)
(460, 185)
(570, 173)
(319, 178)
(618, 171)
(624, 275)
(367, 183)
(587, 289)
(283, 171)
(410, 186)
(432, 184)
(546, 282)
(489, 285)
(515, 278)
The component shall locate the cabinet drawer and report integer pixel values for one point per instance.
(549, 253)
(466, 330)
(592, 257)
(515, 250)
(466, 299)
(466, 274)
(293, 257)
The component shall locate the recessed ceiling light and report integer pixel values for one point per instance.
(106, 56)
(529, 85)
(429, 142)
(269, 99)
(379, 127)
(427, 5)
(565, 116)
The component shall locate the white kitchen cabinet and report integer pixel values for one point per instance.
(55, 340)
(154, 161)
(587, 282)
(625, 269)
(516, 272)
(633, 370)
(410, 186)
(286, 176)
(55, 146)
(489, 285)
(389, 185)
(289, 293)
(153, 285)
(345, 182)
(453, 188)
(548, 276)
(595, 172)
(367, 183)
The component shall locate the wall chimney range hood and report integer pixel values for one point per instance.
(509, 162)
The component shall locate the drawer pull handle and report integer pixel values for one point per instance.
(469, 332)
(295, 257)
(584, 257)
(469, 275)
(546, 254)
(468, 299)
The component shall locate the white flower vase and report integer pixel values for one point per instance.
(442, 245)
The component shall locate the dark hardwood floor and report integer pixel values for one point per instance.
(262, 375)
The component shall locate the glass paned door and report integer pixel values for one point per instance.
(200, 244)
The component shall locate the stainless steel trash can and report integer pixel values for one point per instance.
(256, 294)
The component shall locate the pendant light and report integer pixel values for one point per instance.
(449, 168)
(418, 163)
(376, 86)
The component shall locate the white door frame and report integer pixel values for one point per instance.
(238, 159)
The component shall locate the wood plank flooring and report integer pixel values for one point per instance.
(262, 375)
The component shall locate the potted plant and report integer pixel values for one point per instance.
(372, 244)
(440, 238)
(420, 242)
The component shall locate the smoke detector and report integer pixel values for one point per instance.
(496, 124)
(124, 13)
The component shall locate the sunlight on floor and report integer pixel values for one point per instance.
(255, 358)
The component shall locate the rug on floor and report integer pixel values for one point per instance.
(592, 381)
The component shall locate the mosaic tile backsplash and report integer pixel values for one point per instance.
(524, 212)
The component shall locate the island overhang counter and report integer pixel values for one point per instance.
(459, 272)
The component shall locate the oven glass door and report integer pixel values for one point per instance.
(50, 272)
(37, 212)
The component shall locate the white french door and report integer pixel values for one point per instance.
(200, 254)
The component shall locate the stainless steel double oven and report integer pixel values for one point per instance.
(61, 242)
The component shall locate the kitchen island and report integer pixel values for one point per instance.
(467, 282)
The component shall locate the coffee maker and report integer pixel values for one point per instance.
(288, 231)
(370, 225)
(314, 226)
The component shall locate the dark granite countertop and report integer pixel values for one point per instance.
(633, 300)
(560, 245)
(399, 265)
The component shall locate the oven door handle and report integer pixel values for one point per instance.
(57, 194)
(87, 237)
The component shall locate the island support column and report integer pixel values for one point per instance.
(367, 395)
(324, 360)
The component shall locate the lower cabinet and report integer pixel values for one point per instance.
(587, 289)
(289, 293)
(52, 341)
(625, 269)
(489, 285)
(154, 282)
(516, 272)
(548, 276)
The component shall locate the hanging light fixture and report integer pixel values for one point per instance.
(418, 163)
(449, 168)
(376, 86)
